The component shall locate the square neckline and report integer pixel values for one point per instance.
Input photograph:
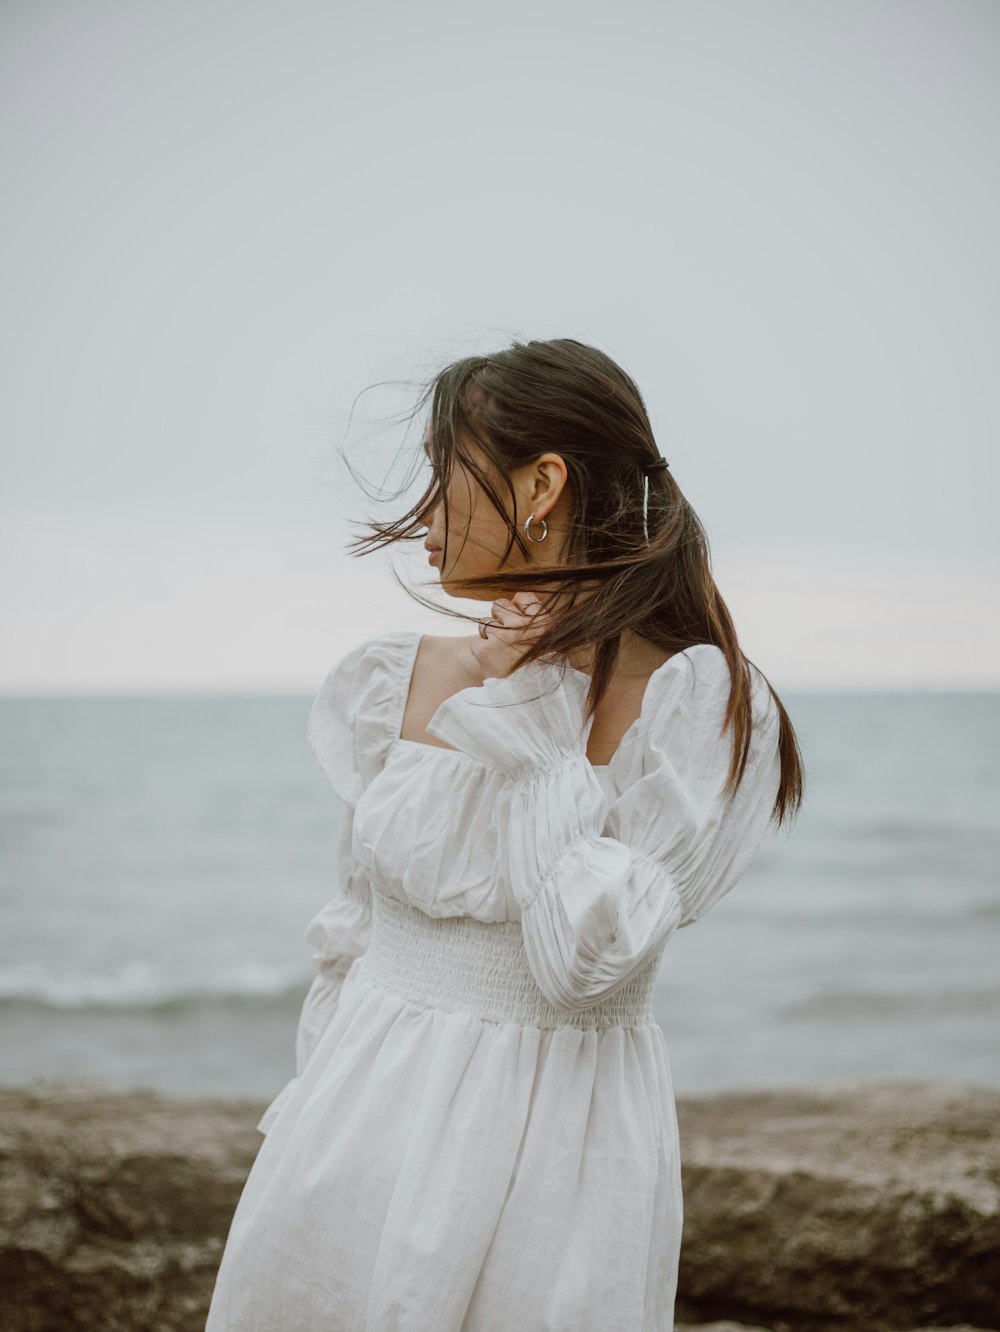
(627, 735)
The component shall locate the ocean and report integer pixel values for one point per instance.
(160, 859)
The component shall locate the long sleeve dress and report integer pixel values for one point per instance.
(481, 1133)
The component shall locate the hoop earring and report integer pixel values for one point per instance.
(527, 529)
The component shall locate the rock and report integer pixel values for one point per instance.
(114, 1206)
(860, 1207)
(848, 1204)
(725, 1326)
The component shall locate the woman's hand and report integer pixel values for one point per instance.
(513, 625)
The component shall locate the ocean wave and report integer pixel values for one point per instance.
(142, 986)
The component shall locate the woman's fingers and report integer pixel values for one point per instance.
(523, 604)
(528, 604)
(505, 613)
(517, 620)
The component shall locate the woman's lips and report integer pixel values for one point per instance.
(433, 555)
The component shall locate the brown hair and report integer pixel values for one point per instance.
(572, 399)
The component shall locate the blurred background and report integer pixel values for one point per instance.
(239, 237)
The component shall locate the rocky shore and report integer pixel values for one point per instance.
(847, 1206)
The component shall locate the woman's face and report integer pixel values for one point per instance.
(477, 535)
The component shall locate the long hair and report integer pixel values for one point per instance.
(572, 399)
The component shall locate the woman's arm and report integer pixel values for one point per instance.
(602, 883)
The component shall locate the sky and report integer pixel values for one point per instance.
(226, 222)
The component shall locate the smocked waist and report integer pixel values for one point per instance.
(460, 964)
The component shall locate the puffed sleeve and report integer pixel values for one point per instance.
(340, 931)
(602, 882)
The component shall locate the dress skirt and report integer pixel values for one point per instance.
(460, 1155)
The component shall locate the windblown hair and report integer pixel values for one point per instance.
(572, 399)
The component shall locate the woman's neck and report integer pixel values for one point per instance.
(636, 656)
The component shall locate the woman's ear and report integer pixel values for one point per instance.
(547, 476)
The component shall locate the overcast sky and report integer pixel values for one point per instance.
(224, 220)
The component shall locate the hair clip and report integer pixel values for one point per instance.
(658, 465)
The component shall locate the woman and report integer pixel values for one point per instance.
(481, 1133)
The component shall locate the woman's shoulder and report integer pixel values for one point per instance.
(699, 678)
(384, 656)
(444, 649)
(356, 713)
(683, 721)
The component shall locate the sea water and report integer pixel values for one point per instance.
(160, 859)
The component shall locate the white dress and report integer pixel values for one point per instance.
(481, 1135)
